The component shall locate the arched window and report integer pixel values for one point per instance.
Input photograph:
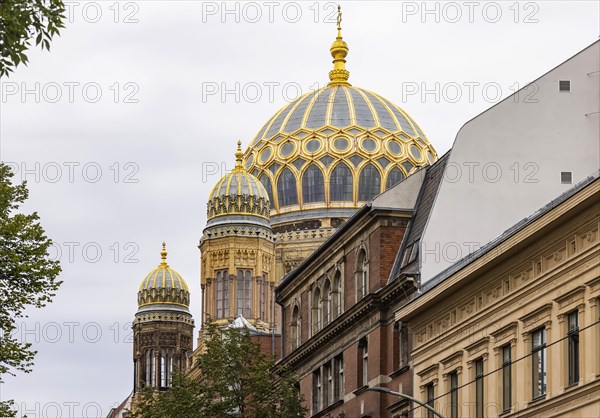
(316, 311)
(163, 368)
(266, 181)
(327, 296)
(150, 369)
(244, 292)
(295, 327)
(336, 299)
(286, 188)
(313, 185)
(369, 183)
(166, 368)
(222, 279)
(340, 183)
(394, 177)
(362, 275)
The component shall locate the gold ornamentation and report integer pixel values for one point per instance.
(163, 285)
(339, 51)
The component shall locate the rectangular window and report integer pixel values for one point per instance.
(365, 363)
(244, 288)
(479, 388)
(430, 399)
(564, 85)
(264, 297)
(328, 393)
(222, 279)
(219, 280)
(400, 347)
(506, 378)
(163, 369)
(362, 362)
(566, 177)
(338, 364)
(538, 363)
(317, 394)
(454, 395)
(573, 337)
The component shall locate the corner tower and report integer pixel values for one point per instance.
(238, 251)
(163, 327)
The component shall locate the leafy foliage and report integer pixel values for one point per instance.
(28, 277)
(24, 20)
(235, 379)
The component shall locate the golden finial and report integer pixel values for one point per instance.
(239, 156)
(163, 254)
(339, 51)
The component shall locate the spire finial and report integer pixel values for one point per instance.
(163, 254)
(239, 156)
(339, 51)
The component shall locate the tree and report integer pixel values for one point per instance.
(236, 379)
(23, 20)
(28, 277)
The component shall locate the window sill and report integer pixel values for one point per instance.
(538, 399)
(330, 408)
(360, 390)
(399, 371)
(571, 387)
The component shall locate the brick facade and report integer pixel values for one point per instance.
(334, 346)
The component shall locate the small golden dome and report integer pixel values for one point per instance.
(164, 286)
(238, 193)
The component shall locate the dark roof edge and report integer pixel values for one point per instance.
(459, 265)
(396, 267)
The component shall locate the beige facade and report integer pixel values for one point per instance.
(235, 254)
(515, 332)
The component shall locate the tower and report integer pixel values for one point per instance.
(163, 327)
(237, 251)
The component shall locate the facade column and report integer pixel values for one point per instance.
(590, 344)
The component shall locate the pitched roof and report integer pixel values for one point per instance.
(407, 259)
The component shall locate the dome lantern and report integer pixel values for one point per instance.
(339, 50)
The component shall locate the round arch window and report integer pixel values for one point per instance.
(286, 149)
(341, 144)
(415, 152)
(266, 154)
(369, 144)
(313, 145)
(394, 147)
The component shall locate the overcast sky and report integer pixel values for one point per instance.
(120, 129)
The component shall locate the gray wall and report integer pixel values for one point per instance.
(506, 163)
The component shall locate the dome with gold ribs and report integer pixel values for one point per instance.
(238, 196)
(163, 288)
(332, 150)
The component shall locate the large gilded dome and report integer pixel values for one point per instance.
(330, 151)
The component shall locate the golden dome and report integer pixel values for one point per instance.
(164, 287)
(328, 152)
(238, 194)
